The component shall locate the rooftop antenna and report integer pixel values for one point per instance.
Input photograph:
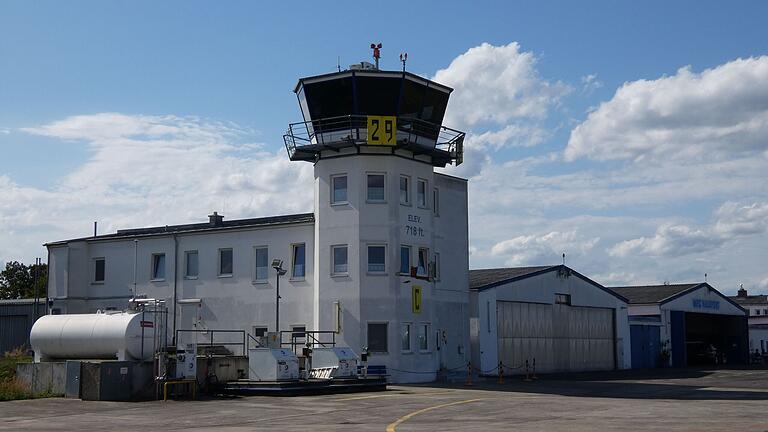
(563, 258)
(403, 59)
(705, 277)
(376, 53)
(338, 63)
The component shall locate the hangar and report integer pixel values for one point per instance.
(553, 314)
(683, 325)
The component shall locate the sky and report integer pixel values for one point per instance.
(632, 136)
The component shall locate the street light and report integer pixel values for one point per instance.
(277, 264)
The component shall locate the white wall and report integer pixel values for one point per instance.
(542, 289)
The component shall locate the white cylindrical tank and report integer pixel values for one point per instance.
(93, 336)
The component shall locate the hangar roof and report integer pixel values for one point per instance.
(643, 294)
(482, 279)
(759, 299)
(220, 225)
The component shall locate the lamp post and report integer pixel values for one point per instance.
(277, 264)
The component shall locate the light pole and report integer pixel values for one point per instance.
(277, 264)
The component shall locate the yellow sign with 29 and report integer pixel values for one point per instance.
(382, 130)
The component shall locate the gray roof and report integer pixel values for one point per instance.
(483, 278)
(645, 294)
(759, 299)
(198, 227)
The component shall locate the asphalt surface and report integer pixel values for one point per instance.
(671, 400)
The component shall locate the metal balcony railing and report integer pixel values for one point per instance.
(311, 137)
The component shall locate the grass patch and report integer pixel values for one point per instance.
(10, 387)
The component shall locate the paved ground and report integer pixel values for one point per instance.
(688, 400)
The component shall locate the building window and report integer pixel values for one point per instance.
(99, 269)
(437, 266)
(225, 262)
(405, 337)
(564, 299)
(377, 259)
(421, 193)
(299, 268)
(405, 190)
(436, 201)
(339, 189)
(376, 188)
(377, 337)
(158, 266)
(423, 266)
(298, 333)
(405, 259)
(261, 273)
(191, 269)
(757, 311)
(259, 331)
(423, 332)
(339, 256)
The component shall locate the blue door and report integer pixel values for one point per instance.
(646, 346)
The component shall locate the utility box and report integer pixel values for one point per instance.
(341, 358)
(186, 361)
(271, 364)
(271, 340)
(106, 381)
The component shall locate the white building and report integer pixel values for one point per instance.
(382, 261)
(553, 314)
(756, 306)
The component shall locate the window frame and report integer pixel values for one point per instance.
(563, 299)
(368, 247)
(103, 279)
(426, 327)
(154, 266)
(410, 259)
(436, 201)
(260, 327)
(293, 262)
(419, 182)
(437, 265)
(220, 269)
(333, 260)
(256, 250)
(409, 348)
(333, 189)
(187, 253)
(408, 200)
(426, 263)
(367, 187)
(368, 336)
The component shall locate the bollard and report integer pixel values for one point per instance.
(501, 373)
(469, 375)
(527, 372)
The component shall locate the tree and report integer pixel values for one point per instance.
(18, 280)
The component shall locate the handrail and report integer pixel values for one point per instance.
(312, 339)
(352, 129)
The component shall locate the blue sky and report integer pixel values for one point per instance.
(228, 69)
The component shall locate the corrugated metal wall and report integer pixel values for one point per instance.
(16, 319)
(559, 337)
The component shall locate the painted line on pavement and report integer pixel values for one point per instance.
(393, 426)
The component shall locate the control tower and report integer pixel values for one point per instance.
(391, 235)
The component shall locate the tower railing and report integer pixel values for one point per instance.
(333, 133)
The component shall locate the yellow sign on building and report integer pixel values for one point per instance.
(382, 130)
(416, 299)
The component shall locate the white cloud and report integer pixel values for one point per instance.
(151, 170)
(735, 219)
(590, 83)
(542, 249)
(496, 84)
(668, 240)
(719, 113)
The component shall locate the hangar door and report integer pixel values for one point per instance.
(560, 337)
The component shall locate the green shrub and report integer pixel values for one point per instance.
(10, 387)
(13, 389)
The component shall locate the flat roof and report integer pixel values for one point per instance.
(371, 73)
(758, 299)
(199, 227)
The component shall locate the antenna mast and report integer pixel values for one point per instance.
(376, 53)
(403, 58)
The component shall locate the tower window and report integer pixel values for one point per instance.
(421, 193)
(405, 259)
(423, 266)
(405, 190)
(225, 262)
(190, 262)
(376, 188)
(262, 264)
(340, 265)
(339, 189)
(436, 201)
(99, 267)
(377, 259)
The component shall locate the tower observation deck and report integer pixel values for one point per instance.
(373, 112)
